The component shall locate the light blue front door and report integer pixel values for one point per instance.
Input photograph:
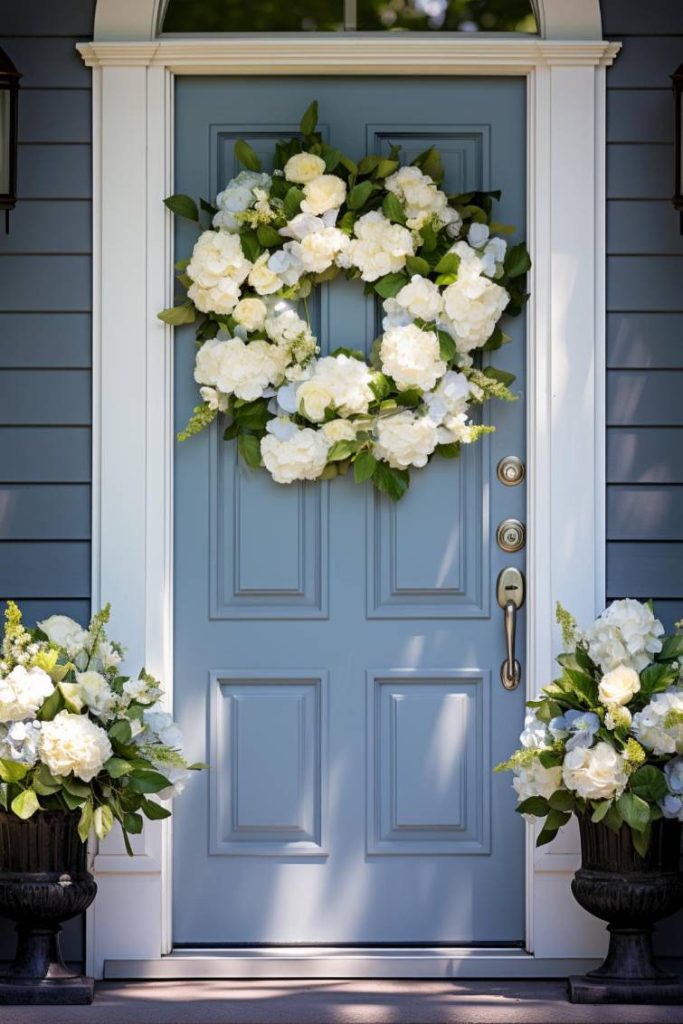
(337, 657)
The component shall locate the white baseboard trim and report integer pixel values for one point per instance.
(312, 962)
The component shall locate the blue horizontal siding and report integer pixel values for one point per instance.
(47, 340)
(45, 397)
(49, 569)
(59, 115)
(645, 571)
(37, 454)
(648, 283)
(635, 17)
(645, 63)
(645, 512)
(640, 172)
(645, 398)
(45, 511)
(47, 63)
(635, 115)
(37, 282)
(54, 171)
(59, 227)
(644, 455)
(48, 18)
(645, 340)
(643, 227)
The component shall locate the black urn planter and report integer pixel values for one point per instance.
(631, 892)
(44, 881)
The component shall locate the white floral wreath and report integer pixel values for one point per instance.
(444, 279)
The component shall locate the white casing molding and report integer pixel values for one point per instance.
(133, 378)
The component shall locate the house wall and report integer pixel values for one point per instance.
(645, 309)
(45, 330)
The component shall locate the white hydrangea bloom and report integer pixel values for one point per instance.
(304, 167)
(627, 633)
(338, 382)
(449, 399)
(535, 735)
(286, 265)
(535, 780)
(23, 692)
(302, 456)
(411, 356)
(421, 298)
(326, 192)
(74, 744)
(595, 773)
(405, 439)
(238, 196)
(318, 250)
(262, 278)
(659, 726)
(95, 693)
(240, 369)
(64, 632)
(162, 728)
(473, 304)
(19, 742)
(422, 200)
(217, 269)
(214, 399)
(378, 247)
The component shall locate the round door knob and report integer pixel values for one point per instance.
(511, 535)
(511, 471)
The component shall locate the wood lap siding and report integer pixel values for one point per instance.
(645, 309)
(45, 330)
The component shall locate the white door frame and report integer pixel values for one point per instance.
(133, 423)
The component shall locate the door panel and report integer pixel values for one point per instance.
(337, 656)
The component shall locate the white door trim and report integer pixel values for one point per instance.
(133, 377)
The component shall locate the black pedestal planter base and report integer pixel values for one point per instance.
(76, 991)
(584, 989)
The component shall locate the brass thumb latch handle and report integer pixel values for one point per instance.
(510, 592)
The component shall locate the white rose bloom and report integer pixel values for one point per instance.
(659, 726)
(23, 692)
(238, 196)
(627, 633)
(319, 249)
(338, 430)
(421, 298)
(304, 167)
(338, 382)
(73, 743)
(535, 780)
(405, 439)
(411, 356)
(326, 192)
(473, 303)
(94, 691)
(262, 279)
(251, 313)
(19, 742)
(64, 632)
(619, 685)
(301, 457)
(422, 199)
(378, 248)
(595, 773)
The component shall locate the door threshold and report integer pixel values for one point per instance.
(280, 962)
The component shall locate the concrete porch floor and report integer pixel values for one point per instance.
(337, 1002)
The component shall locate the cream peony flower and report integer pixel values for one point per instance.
(378, 248)
(262, 279)
(411, 356)
(303, 456)
(251, 314)
(595, 773)
(23, 692)
(73, 743)
(304, 167)
(338, 382)
(326, 192)
(338, 430)
(619, 685)
(405, 439)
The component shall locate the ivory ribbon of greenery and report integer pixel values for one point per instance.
(437, 262)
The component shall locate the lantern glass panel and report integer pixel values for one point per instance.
(5, 141)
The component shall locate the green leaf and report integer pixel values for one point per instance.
(76, 787)
(390, 285)
(12, 771)
(641, 840)
(132, 822)
(429, 238)
(392, 209)
(364, 467)
(359, 195)
(341, 450)
(600, 810)
(250, 449)
(368, 164)
(331, 158)
(536, 805)
(246, 156)
(154, 811)
(672, 647)
(292, 203)
(309, 120)
(549, 759)
(267, 236)
(562, 800)
(546, 835)
(496, 341)
(392, 482)
(207, 207)
(447, 347)
(85, 821)
(613, 818)
(25, 805)
(103, 820)
(178, 315)
(52, 706)
(656, 678)
(517, 261)
(556, 819)
(430, 163)
(117, 767)
(451, 450)
(448, 264)
(634, 810)
(183, 206)
(252, 415)
(380, 386)
(500, 375)
(121, 732)
(386, 167)
(418, 265)
(649, 783)
(147, 782)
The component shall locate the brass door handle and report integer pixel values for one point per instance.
(510, 590)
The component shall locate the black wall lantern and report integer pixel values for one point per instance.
(677, 199)
(9, 109)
